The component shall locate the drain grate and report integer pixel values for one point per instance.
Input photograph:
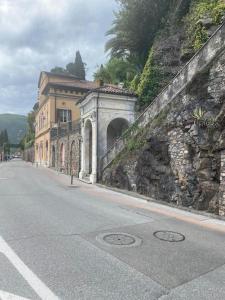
(169, 236)
(119, 239)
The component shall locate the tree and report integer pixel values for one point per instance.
(4, 141)
(134, 28)
(116, 70)
(59, 70)
(29, 138)
(77, 68)
(103, 74)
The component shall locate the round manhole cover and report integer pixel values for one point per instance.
(119, 239)
(169, 236)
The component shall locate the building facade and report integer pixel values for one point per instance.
(57, 104)
(106, 113)
(77, 122)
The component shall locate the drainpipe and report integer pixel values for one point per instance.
(55, 111)
(97, 136)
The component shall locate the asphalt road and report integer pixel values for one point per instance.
(54, 243)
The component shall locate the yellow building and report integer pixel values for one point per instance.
(57, 103)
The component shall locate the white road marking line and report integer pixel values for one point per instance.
(3, 178)
(8, 296)
(37, 285)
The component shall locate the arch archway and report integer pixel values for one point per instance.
(41, 152)
(115, 129)
(53, 156)
(74, 159)
(88, 147)
(62, 157)
(46, 148)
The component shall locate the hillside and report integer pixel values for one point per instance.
(15, 125)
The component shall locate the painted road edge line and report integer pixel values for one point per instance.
(34, 282)
(8, 296)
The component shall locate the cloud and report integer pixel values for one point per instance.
(39, 35)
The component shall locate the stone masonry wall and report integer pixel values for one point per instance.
(222, 185)
(196, 65)
(179, 156)
(71, 143)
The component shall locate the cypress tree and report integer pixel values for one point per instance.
(1, 138)
(6, 137)
(77, 68)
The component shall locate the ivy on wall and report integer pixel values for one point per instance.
(203, 12)
(151, 81)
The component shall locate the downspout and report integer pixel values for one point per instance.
(55, 111)
(97, 138)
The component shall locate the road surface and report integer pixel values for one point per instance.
(87, 242)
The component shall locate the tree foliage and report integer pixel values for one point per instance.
(4, 141)
(115, 71)
(134, 28)
(29, 138)
(59, 70)
(76, 68)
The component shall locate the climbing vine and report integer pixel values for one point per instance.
(203, 12)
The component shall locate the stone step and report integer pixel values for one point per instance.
(85, 179)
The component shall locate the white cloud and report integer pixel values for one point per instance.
(38, 35)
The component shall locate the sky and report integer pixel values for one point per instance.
(37, 35)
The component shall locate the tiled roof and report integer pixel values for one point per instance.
(76, 84)
(110, 89)
(114, 89)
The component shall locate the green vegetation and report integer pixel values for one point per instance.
(28, 140)
(115, 71)
(134, 45)
(202, 13)
(134, 29)
(150, 81)
(77, 68)
(202, 120)
(136, 142)
(4, 142)
(15, 126)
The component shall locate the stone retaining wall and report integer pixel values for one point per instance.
(196, 65)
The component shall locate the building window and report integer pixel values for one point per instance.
(64, 115)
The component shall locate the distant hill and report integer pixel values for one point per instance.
(16, 126)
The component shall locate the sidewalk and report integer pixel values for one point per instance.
(136, 201)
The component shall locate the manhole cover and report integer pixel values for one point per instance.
(119, 239)
(169, 236)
